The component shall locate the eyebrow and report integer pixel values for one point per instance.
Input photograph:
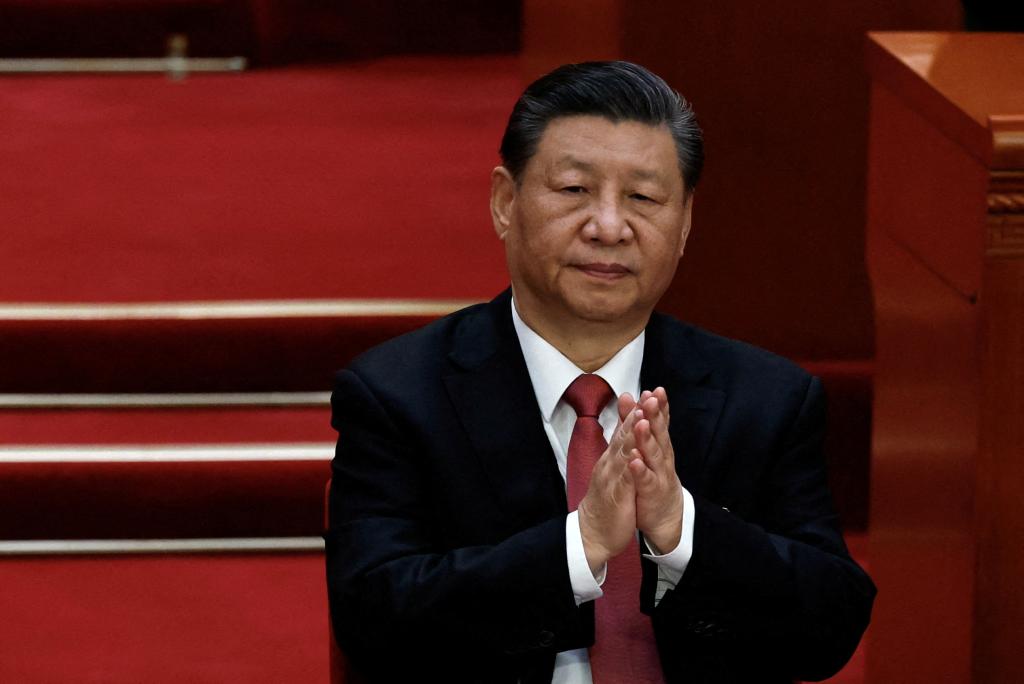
(573, 162)
(645, 174)
(576, 163)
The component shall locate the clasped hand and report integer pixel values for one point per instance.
(634, 485)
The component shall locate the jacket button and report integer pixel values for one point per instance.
(546, 638)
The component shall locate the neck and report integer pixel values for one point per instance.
(588, 344)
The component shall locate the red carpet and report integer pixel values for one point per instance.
(155, 619)
(101, 494)
(183, 355)
(365, 180)
(167, 426)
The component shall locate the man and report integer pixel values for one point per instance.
(504, 474)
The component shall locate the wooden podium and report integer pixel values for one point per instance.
(946, 258)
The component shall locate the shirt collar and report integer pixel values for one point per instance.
(551, 372)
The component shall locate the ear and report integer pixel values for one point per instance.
(503, 195)
(687, 212)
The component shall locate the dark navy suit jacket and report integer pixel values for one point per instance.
(446, 545)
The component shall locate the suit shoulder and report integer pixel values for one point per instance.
(415, 353)
(735, 361)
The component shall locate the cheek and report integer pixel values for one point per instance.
(528, 253)
(541, 257)
(546, 231)
(662, 253)
(552, 212)
(549, 240)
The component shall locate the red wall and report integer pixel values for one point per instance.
(776, 256)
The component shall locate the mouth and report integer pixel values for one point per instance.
(603, 271)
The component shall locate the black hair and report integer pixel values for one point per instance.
(617, 91)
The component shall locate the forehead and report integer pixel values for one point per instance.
(594, 143)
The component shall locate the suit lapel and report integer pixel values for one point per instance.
(673, 362)
(491, 391)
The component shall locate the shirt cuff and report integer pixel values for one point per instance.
(585, 587)
(672, 565)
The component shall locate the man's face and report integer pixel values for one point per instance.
(597, 225)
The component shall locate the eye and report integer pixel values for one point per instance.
(574, 189)
(642, 198)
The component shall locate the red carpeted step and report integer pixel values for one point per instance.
(109, 352)
(163, 473)
(167, 425)
(164, 618)
(327, 183)
(144, 500)
(167, 618)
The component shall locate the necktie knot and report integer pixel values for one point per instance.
(588, 394)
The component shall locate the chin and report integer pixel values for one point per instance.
(601, 309)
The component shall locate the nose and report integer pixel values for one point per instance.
(608, 224)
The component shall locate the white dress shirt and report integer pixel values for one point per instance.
(551, 373)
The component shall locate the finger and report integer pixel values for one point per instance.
(652, 412)
(651, 407)
(647, 444)
(628, 423)
(629, 429)
(662, 396)
(626, 404)
(644, 480)
(630, 461)
(659, 422)
(623, 439)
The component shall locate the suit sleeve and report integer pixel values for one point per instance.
(391, 582)
(779, 587)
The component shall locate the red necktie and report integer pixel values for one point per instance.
(624, 649)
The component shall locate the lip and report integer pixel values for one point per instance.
(604, 271)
